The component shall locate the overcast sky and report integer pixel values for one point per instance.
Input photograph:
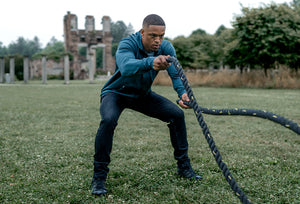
(44, 18)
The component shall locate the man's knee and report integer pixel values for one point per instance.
(178, 113)
(109, 122)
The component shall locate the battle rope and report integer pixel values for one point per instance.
(198, 112)
(251, 112)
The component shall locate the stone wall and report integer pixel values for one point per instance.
(54, 68)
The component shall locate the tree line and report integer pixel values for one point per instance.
(261, 38)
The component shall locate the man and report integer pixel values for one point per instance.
(139, 58)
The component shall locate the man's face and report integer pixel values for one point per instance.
(152, 37)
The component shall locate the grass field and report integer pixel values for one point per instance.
(47, 143)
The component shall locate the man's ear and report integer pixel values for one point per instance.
(142, 32)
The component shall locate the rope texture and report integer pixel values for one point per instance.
(249, 112)
(253, 112)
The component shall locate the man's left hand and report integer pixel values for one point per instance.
(184, 97)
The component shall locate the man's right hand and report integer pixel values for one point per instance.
(160, 62)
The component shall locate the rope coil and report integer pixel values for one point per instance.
(198, 110)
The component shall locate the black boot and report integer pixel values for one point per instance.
(185, 170)
(98, 187)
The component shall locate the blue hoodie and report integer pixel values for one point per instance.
(134, 71)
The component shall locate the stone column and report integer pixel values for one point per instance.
(91, 68)
(44, 70)
(12, 69)
(66, 68)
(2, 68)
(26, 69)
(103, 59)
(31, 70)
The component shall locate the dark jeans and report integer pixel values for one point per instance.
(152, 105)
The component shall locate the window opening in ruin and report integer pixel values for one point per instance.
(82, 38)
(99, 39)
(99, 58)
(82, 51)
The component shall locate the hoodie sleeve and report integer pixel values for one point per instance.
(127, 62)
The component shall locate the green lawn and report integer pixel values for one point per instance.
(47, 143)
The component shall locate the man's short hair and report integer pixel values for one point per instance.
(153, 19)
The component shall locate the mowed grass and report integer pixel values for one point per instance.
(47, 145)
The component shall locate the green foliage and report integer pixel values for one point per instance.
(198, 32)
(22, 47)
(296, 3)
(54, 46)
(262, 38)
(99, 57)
(82, 51)
(206, 51)
(201, 50)
(19, 60)
(224, 40)
(3, 50)
(220, 30)
(19, 66)
(54, 50)
(114, 48)
(267, 36)
(119, 30)
(183, 47)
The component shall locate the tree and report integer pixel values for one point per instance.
(19, 49)
(220, 30)
(296, 3)
(54, 46)
(201, 50)
(224, 39)
(24, 47)
(118, 31)
(296, 62)
(3, 50)
(54, 50)
(129, 30)
(198, 32)
(183, 47)
(206, 50)
(267, 36)
(233, 56)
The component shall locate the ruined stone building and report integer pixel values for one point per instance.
(89, 38)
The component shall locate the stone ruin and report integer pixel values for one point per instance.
(82, 66)
(91, 39)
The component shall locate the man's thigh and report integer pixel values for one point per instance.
(157, 106)
(111, 106)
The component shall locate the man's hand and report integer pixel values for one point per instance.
(160, 62)
(184, 97)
